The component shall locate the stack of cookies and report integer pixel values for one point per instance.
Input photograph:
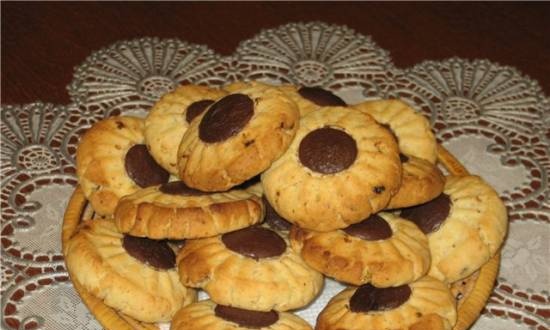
(253, 193)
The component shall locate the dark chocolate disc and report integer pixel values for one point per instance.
(273, 219)
(246, 318)
(321, 97)
(180, 188)
(403, 158)
(327, 150)
(142, 168)
(225, 118)
(152, 252)
(255, 242)
(429, 216)
(196, 108)
(373, 228)
(368, 298)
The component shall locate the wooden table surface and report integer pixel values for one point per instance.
(43, 42)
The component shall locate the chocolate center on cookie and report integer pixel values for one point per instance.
(180, 188)
(246, 318)
(368, 298)
(142, 168)
(152, 252)
(196, 108)
(373, 228)
(255, 242)
(226, 118)
(429, 216)
(321, 97)
(327, 150)
(273, 219)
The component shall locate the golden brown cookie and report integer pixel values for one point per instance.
(237, 138)
(175, 211)
(412, 129)
(340, 168)
(169, 118)
(112, 161)
(426, 304)
(422, 181)
(252, 268)
(466, 226)
(309, 99)
(135, 276)
(206, 315)
(383, 250)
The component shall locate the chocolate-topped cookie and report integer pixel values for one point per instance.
(411, 129)
(309, 99)
(206, 315)
(426, 304)
(467, 208)
(112, 161)
(340, 168)
(383, 250)
(252, 268)
(170, 117)
(422, 180)
(176, 211)
(134, 276)
(237, 138)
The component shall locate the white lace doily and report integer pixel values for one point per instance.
(493, 118)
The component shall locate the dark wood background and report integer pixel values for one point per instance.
(43, 42)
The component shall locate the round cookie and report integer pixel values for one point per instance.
(112, 161)
(206, 315)
(175, 211)
(383, 250)
(252, 268)
(309, 99)
(135, 276)
(413, 130)
(465, 226)
(421, 182)
(169, 118)
(426, 304)
(340, 168)
(237, 138)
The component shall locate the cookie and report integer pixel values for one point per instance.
(169, 118)
(465, 226)
(421, 182)
(252, 268)
(135, 276)
(237, 138)
(206, 315)
(383, 250)
(412, 129)
(309, 99)
(112, 161)
(340, 168)
(426, 304)
(175, 211)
